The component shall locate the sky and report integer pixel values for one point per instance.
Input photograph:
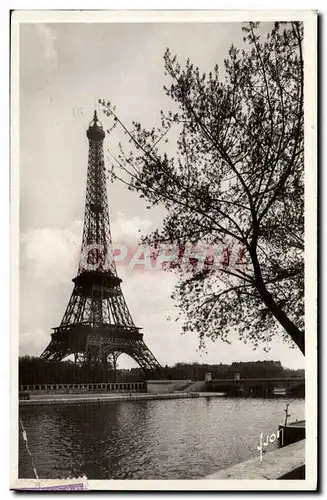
(64, 69)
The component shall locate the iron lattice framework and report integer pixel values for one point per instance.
(97, 325)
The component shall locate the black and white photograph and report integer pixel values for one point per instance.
(163, 235)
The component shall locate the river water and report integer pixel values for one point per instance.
(167, 439)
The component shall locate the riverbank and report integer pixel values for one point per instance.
(283, 463)
(49, 399)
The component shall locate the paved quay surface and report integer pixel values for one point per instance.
(55, 398)
(274, 465)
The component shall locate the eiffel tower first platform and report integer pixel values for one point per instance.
(97, 326)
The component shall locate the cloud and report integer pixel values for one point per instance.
(129, 229)
(51, 254)
(33, 342)
(49, 259)
(47, 39)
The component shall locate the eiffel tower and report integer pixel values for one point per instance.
(97, 326)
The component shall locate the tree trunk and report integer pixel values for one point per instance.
(295, 333)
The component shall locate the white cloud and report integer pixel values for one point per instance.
(51, 254)
(47, 38)
(49, 259)
(129, 229)
(33, 342)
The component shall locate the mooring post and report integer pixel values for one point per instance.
(286, 413)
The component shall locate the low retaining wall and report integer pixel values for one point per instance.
(102, 398)
(167, 386)
(87, 387)
(284, 463)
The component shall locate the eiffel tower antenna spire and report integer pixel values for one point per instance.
(96, 105)
(97, 325)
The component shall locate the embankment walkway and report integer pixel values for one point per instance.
(284, 463)
(48, 399)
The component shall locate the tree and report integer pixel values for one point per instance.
(34, 371)
(237, 178)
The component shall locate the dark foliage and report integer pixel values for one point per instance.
(35, 371)
(257, 369)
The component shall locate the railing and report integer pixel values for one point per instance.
(110, 386)
(272, 379)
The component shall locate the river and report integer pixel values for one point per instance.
(167, 439)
